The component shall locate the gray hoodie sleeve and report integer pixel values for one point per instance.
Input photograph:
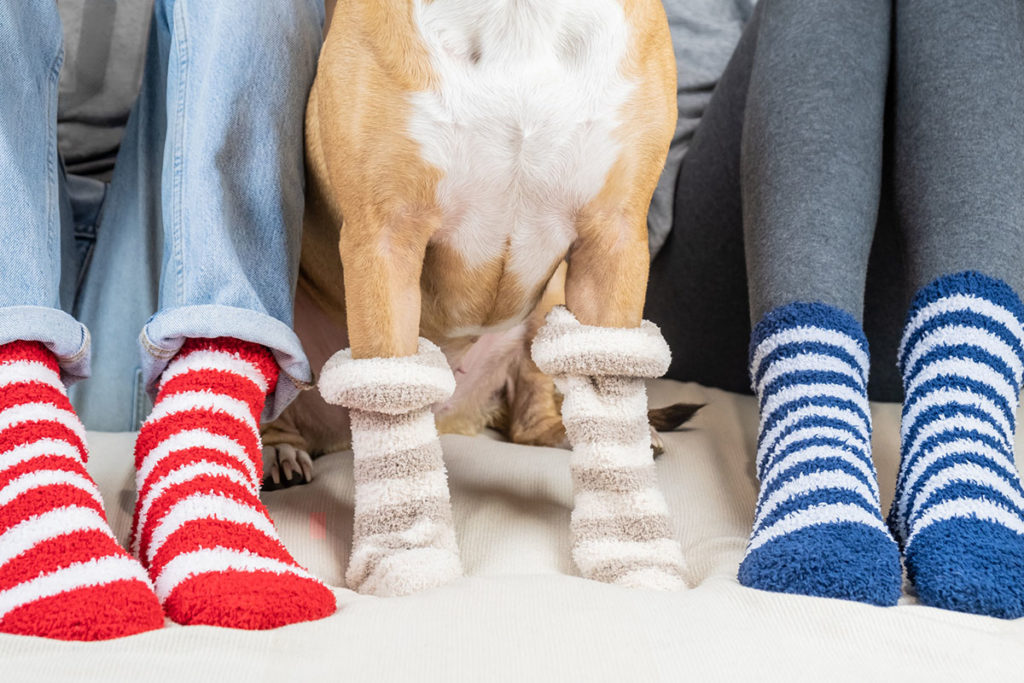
(704, 35)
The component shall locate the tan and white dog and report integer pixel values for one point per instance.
(460, 153)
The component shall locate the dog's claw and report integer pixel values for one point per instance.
(657, 443)
(285, 466)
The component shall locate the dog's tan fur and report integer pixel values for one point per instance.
(372, 276)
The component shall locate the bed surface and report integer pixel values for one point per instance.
(522, 615)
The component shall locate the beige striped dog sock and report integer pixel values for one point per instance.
(621, 527)
(404, 538)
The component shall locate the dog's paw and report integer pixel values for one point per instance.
(285, 466)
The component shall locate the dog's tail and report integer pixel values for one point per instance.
(672, 417)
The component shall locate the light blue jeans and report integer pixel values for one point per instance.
(198, 232)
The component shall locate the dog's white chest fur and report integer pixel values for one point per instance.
(522, 124)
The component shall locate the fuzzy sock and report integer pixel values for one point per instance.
(404, 538)
(200, 528)
(818, 526)
(62, 572)
(621, 528)
(959, 507)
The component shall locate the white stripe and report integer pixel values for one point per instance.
(581, 400)
(949, 335)
(970, 508)
(590, 340)
(41, 478)
(601, 455)
(944, 396)
(801, 334)
(966, 472)
(815, 452)
(806, 483)
(962, 445)
(417, 429)
(963, 302)
(593, 553)
(963, 422)
(848, 416)
(833, 513)
(372, 495)
(373, 373)
(43, 527)
(79, 575)
(214, 360)
(195, 438)
(41, 412)
(817, 362)
(21, 371)
(204, 400)
(187, 565)
(802, 391)
(421, 535)
(596, 505)
(809, 432)
(970, 369)
(180, 476)
(204, 506)
(37, 449)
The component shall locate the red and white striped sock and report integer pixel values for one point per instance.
(200, 528)
(62, 572)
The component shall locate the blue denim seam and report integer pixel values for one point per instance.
(178, 156)
(52, 163)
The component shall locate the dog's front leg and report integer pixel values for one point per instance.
(404, 540)
(599, 352)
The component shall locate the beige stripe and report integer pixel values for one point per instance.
(394, 519)
(370, 421)
(615, 479)
(400, 465)
(592, 430)
(613, 570)
(622, 528)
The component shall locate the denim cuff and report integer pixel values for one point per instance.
(164, 334)
(64, 336)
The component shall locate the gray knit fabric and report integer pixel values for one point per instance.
(704, 35)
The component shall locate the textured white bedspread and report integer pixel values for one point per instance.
(522, 615)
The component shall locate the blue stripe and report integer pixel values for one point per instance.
(964, 319)
(821, 401)
(794, 349)
(969, 282)
(946, 461)
(947, 413)
(818, 421)
(964, 351)
(980, 389)
(969, 490)
(802, 444)
(825, 496)
(833, 463)
(800, 378)
(806, 314)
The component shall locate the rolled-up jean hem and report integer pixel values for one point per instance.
(58, 331)
(166, 332)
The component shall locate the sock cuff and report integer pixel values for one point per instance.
(566, 347)
(966, 299)
(202, 352)
(388, 385)
(32, 351)
(803, 326)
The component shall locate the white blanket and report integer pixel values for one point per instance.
(522, 614)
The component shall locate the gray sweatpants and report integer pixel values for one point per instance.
(852, 152)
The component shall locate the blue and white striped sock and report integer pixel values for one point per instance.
(818, 527)
(959, 507)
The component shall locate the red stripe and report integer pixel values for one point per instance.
(28, 432)
(33, 392)
(119, 608)
(48, 463)
(154, 433)
(28, 350)
(190, 456)
(257, 355)
(211, 485)
(56, 553)
(206, 533)
(221, 382)
(44, 499)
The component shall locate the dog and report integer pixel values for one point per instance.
(472, 154)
